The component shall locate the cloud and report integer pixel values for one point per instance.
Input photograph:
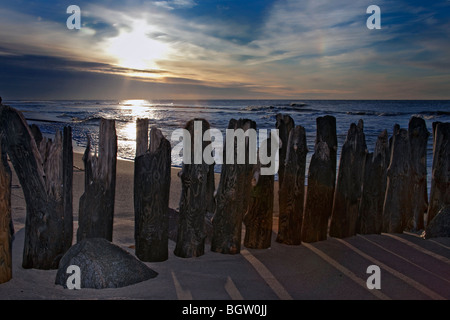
(175, 4)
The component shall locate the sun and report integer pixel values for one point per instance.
(134, 49)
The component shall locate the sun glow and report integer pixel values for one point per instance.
(133, 48)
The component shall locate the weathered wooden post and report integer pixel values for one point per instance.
(47, 187)
(259, 217)
(374, 187)
(347, 195)
(96, 212)
(5, 218)
(233, 193)
(321, 182)
(292, 191)
(152, 175)
(194, 196)
(418, 140)
(284, 124)
(440, 178)
(397, 203)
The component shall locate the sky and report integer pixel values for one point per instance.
(225, 49)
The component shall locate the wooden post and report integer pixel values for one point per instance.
(233, 195)
(284, 125)
(152, 175)
(259, 218)
(321, 182)
(418, 141)
(47, 188)
(194, 176)
(440, 178)
(374, 188)
(397, 203)
(5, 218)
(347, 195)
(96, 210)
(292, 191)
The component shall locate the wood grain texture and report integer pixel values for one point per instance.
(5, 218)
(233, 197)
(45, 178)
(96, 209)
(292, 192)
(152, 176)
(321, 182)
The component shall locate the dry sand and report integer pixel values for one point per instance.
(39, 284)
(412, 268)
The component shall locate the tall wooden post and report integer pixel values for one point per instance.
(233, 195)
(152, 175)
(292, 191)
(284, 124)
(47, 188)
(440, 178)
(397, 203)
(418, 140)
(96, 212)
(321, 182)
(347, 195)
(194, 196)
(259, 217)
(374, 187)
(5, 218)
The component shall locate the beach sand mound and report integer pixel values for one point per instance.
(102, 265)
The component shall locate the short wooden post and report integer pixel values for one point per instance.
(397, 204)
(292, 191)
(5, 218)
(418, 140)
(47, 186)
(347, 195)
(194, 176)
(96, 210)
(152, 175)
(233, 195)
(374, 187)
(440, 178)
(321, 182)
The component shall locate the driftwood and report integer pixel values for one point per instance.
(259, 217)
(5, 218)
(233, 196)
(292, 191)
(194, 194)
(418, 141)
(152, 175)
(397, 203)
(347, 195)
(440, 178)
(321, 182)
(96, 210)
(374, 188)
(284, 124)
(47, 186)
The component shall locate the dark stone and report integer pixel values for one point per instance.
(439, 226)
(103, 265)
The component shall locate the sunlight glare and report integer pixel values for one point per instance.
(134, 49)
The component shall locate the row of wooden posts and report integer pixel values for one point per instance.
(383, 191)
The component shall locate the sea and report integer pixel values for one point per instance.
(168, 115)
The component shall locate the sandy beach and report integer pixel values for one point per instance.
(332, 269)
